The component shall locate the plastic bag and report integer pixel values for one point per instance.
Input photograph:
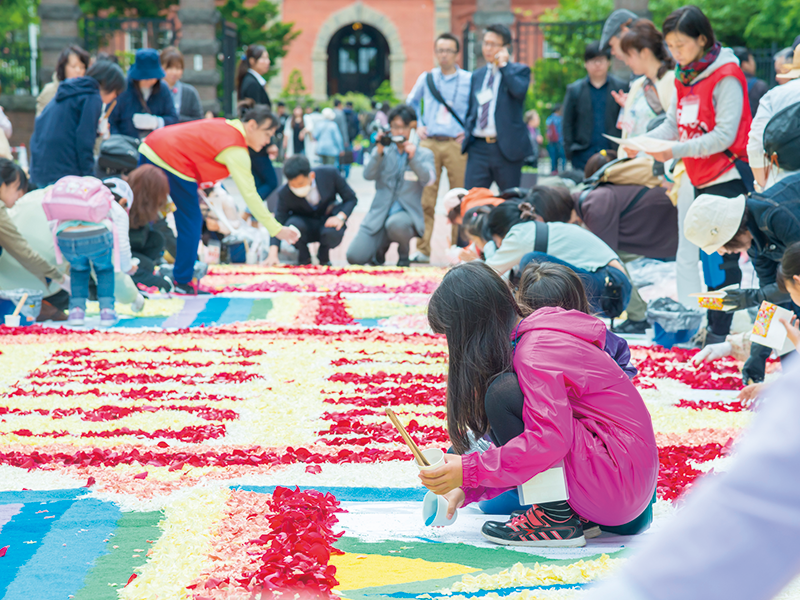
(673, 316)
(30, 310)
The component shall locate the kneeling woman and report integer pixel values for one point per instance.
(579, 407)
(208, 151)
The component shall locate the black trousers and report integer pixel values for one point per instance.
(147, 245)
(719, 322)
(314, 230)
(485, 164)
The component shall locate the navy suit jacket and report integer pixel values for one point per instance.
(513, 138)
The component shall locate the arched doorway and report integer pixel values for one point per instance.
(358, 60)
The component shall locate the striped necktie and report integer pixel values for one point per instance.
(484, 120)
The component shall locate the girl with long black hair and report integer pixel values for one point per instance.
(578, 407)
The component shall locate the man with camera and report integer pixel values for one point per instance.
(400, 170)
(445, 91)
(497, 138)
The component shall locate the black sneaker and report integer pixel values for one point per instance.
(188, 289)
(590, 529)
(536, 528)
(403, 262)
(631, 327)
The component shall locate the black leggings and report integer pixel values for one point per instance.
(504, 401)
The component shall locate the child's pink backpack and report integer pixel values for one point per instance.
(78, 199)
(74, 198)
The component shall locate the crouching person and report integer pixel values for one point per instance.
(318, 203)
(400, 170)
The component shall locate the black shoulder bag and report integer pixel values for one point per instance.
(438, 96)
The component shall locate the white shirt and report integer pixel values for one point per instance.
(313, 197)
(261, 81)
(770, 104)
(491, 129)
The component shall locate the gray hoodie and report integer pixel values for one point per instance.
(728, 97)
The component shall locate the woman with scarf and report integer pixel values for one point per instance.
(710, 120)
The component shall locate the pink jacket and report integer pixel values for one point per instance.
(580, 408)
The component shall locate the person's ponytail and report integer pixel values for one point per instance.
(253, 51)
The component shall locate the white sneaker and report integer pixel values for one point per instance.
(138, 304)
(421, 258)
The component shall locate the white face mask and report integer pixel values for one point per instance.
(301, 192)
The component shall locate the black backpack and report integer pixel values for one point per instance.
(782, 138)
(119, 155)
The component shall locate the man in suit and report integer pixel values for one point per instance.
(590, 109)
(497, 139)
(400, 170)
(318, 203)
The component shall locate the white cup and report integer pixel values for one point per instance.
(434, 456)
(12, 320)
(434, 511)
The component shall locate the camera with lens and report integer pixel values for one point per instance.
(385, 138)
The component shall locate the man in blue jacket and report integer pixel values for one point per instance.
(496, 136)
(147, 103)
(65, 132)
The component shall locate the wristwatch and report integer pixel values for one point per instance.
(342, 217)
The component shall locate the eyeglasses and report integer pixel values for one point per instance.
(491, 44)
(445, 51)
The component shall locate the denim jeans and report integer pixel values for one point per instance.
(557, 158)
(83, 253)
(593, 281)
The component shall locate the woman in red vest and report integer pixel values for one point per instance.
(710, 119)
(205, 152)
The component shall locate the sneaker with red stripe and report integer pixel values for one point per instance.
(536, 528)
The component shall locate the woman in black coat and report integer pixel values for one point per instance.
(250, 73)
(251, 85)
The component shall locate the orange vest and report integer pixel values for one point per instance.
(704, 170)
(191, 148)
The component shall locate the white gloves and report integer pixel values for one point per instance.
(147, 122)
(712, 352)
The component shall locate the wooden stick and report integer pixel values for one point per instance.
(20, 304)
(407, 438)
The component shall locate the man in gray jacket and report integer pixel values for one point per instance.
(400, 170)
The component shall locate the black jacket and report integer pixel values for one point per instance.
(773, 217)
(513, 138)
(330, 184)
(578, 117)
(249, 87)
(64, 134)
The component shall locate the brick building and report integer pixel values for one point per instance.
(354, 46)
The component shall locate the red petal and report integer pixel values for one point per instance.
(141, 475)
(131, 578)
(3, 551)
(314, 469)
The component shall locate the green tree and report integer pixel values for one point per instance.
(754, 23)
(385, 93)
(258, 25)
(295, 90)
(127, 8)
(16, 16)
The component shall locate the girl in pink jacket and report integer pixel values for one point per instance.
(579, 407)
